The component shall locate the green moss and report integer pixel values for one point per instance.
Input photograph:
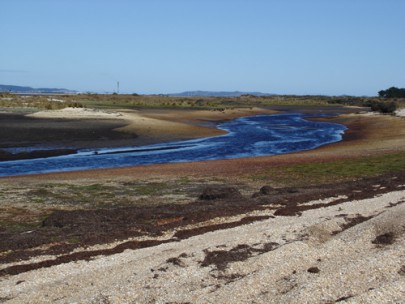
(89, 188)
(150, 189)
(18, 227)
(184, 180)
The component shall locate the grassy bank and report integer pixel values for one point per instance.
(333, 171)
(104, 101)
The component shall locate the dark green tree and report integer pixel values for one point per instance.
(392, 92)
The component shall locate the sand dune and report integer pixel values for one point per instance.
(77, 113)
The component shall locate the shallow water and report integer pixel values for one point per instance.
(247, 137)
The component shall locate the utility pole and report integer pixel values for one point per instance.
(118, 87)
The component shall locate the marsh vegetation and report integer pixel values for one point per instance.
(135, 101)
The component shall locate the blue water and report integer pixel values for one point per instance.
(248, 136)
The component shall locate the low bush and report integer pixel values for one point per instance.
(386, 107)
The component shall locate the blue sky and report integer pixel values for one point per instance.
(330, 47)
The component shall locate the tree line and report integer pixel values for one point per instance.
(392, 92)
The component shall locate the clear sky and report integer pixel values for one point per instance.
(331, 47)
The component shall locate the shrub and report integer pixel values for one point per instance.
(383, 106)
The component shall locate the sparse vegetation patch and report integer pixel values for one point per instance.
(335, 170)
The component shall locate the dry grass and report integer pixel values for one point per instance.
(160, 101)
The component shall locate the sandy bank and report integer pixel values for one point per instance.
(400, 112)
(168, 125)
(76, 113)
(154, 126)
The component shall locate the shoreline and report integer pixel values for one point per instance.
(366, 136)
(121, 128)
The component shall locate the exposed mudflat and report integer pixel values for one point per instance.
(84, 128)
(19, 130)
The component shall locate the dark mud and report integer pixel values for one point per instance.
(64, 231)
(18, 130)
(7, 156)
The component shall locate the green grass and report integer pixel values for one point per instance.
(38, 102)
(328, 172)
(150, 189)
(12, 226)
(184, 180)
(107, 101)
(89, 188)
(128, 101)
(97, 195)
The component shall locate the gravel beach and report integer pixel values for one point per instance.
(311, 258)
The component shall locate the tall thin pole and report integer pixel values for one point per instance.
(118, 87)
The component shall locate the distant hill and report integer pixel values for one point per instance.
(218, 94)
(29, 90)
